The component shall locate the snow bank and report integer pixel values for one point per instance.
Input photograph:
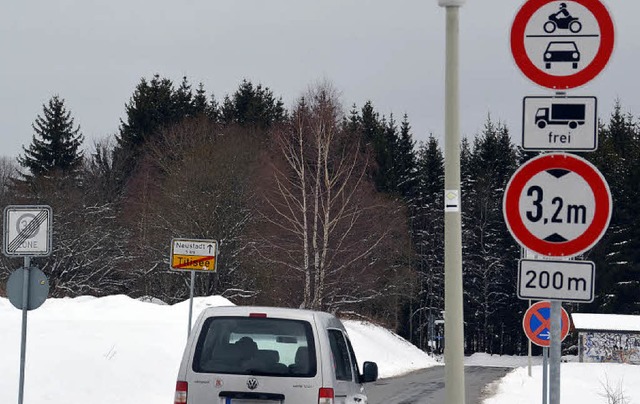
(120, 350)
(583, 383)
(393, 354)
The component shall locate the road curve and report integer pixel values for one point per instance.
(427, 386)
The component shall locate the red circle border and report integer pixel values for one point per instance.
(526, 320)
(595, 180)
(538, 76)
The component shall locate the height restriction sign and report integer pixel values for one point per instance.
(562, 45)
(557, 205)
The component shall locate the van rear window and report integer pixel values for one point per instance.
(256, 346)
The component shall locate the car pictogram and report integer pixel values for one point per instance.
(561, 51)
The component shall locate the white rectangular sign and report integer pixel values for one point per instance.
(451, 200)
(193, 247)
(27, 230)
(560, 123)
(568, 281)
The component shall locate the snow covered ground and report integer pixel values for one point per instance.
(119, 350)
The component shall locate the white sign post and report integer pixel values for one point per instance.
(27, 233)
(193, 255)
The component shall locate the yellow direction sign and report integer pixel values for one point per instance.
(193, 255)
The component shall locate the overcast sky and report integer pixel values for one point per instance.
(93, 53)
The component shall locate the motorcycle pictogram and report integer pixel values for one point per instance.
(562, 20)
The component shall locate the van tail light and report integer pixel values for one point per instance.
(181, 392)
(325, 396)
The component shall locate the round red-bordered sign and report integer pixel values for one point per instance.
(581, 77)
(590, 219)
(537, 323)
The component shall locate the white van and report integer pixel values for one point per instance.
(266, 355)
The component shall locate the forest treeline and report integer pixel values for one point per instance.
(313, 206)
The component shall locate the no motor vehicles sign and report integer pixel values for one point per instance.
(557, 205)
(562, 45)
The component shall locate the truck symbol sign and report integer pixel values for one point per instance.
(571, 115)
(560, 123)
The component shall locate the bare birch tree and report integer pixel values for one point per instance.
(326, 222)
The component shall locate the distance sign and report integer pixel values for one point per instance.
(557, 205)
(567, 281)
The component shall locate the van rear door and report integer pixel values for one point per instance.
(241, 360)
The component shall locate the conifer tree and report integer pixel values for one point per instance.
(405, 161)
(489, 252)
(428, 239)
(151, 108)
(256, 106)
(617, 255)
(55, 148)
(154, 106)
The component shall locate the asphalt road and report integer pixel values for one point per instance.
(427, 386)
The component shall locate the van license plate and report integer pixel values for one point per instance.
(239, 401)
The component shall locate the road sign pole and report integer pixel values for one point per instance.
(545, 375)
(556, 342)
(23, 338)
(529, 355)
(193, 281)
(454, 323)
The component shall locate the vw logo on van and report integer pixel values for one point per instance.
(252, 383)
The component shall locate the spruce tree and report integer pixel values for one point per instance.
(55, 148)
(617, 254)
(489, 252)
(151, 108)
(254, 106)
(428, 238)
(405, 161)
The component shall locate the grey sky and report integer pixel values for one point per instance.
(93, 53)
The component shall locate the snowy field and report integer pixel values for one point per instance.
(119, 350)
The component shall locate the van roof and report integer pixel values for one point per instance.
(279, 312)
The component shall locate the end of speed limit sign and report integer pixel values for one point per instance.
(557, 205)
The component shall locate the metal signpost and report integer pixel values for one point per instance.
(559, 205)
(27, 233)
(556, 205)
(194, 256)
(537, 327)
